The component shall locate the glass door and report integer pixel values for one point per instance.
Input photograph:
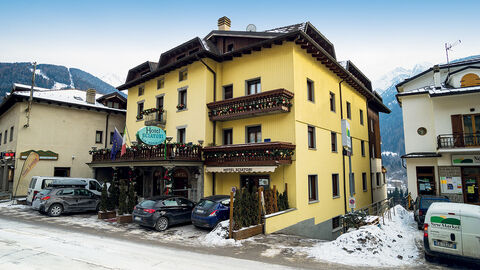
(471, 178)
(471, 128)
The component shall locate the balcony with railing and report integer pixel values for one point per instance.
(156, 117)
(161, 152)
(274, 101)
(252, 154)
(458, 140)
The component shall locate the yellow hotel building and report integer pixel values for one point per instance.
(259, 109)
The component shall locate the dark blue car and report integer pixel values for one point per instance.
(421, 206)
(211, 210)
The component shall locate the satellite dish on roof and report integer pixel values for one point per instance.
(251, 28)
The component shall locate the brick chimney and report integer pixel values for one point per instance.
(91, 96)
(224, 23)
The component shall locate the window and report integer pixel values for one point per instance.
(228, 136)
(335, 223)
(109, 104)
(310, 90)
(61, 172)
(335, 185)
(160, 83)
(254, 134)
(180, 56)
(0, 138)
(141, 90)
(311, 137)
(111, 137)
(82, 192)
(253, 87)
(98, 136)
(230, 47)
(181, 135)
(94, 186)
(371, 125)
(5, 138)
(372, 177)
(68, 191)
(353, 182)
(372, 151)
(182, 99)
(364, 181)
(334, 141)
(312, 188)
(332, 102)
(228, 92)
(182, 75)
(193, 51)
(116, 105)
(361, 117)
(362, 145)
(139, 111)
(378, 179)
(349, 111)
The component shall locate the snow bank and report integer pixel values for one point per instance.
(11, 204)
(218, 236)
(392, 244)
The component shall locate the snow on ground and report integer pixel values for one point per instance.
(388, 153)
(218, 236)
(392, 244)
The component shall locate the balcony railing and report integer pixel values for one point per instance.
(156, 118)
(172, 151)
(252, 154)
(458, 140)
(274, 101)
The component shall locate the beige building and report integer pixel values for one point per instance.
(62, 126)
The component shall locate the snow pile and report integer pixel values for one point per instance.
(11, 204)
(392, 244)
(218, 236)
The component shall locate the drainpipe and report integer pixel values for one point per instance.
(369, 152)
(106, 130)
(343, 153)
(214, 137)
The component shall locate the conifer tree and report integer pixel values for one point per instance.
(104, 199)
(131, 197)
(122, 199)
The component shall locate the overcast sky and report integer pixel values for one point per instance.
(110, 37)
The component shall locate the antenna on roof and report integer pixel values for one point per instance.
(251, 28)
(448, 47)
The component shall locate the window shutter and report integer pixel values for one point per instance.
(457, 130)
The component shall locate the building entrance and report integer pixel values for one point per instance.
(471, 180)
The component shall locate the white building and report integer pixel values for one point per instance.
(441, 116)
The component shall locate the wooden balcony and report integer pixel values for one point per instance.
(274, 101)
(458, 140)
(172, 152)
(156, 119)
(252, 154)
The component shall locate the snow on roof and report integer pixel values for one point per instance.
(442, 91)
(70, 96)
(24, 87)
(288, 28)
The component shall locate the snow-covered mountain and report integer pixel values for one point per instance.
(397, 75)
(112, 79)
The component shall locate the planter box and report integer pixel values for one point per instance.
(247, 232)
(106, 215)
(124, 219)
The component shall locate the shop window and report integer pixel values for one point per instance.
(253, 86)
(312, 188)
(98, 136)
(364, 181)
(335, 185)
(253, 182)
(228, 136)
(425, 180)
(311, 137)
(310, 90)
(228, 92)
(471, 181)
(254, 134)
(61, 171)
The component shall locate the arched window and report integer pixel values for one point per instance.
(470, 79)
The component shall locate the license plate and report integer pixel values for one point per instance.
(445, 244)
(138, 218)
(200, 211)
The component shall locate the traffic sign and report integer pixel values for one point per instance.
(351, 202)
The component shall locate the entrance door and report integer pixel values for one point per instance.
(471, 180)
(158, 183)
(253, 182)
(180, 183)
(426, 181)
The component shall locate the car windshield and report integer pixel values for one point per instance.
(205, 204)
(147, 204)
(45, 191)
(425, 203)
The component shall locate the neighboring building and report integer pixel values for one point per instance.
(265, 109)
(63, 127)
(441, 116)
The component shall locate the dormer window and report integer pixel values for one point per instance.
(470, 79)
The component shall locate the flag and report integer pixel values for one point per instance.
(124, 142)
(117, 144)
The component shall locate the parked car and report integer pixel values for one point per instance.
(421, 206)
(163, 211)
(211, 210)
(38, 183)
(56, 201)
(451, 231)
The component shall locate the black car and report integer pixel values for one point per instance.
(163, 211)
(422, 203)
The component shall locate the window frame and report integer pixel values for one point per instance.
(257, 82)
(182, 98)
(161, 83)
(225, 131)
(332, 102)
(6, 136)
(337, 218)
(247, 134)
(111, 137)
(333, 142)
(362, 147)
(11, 133)
(183, 75)
(349, 110)
(315, 188)
(141, 90)
(311, 137)
(97, 133)
(142, 105)
(364, 182)
(224, 92)
(335, 185)
(310, 90)
(182, 134)
(361, 117)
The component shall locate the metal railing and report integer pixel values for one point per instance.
(156, 118)
(458, 140)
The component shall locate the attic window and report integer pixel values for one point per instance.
(470, 79)
(230, 47)
(78, 98)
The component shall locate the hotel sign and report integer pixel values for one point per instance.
(466, 160)
(241, 169)
(151, 135)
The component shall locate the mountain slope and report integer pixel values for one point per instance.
(49, 76)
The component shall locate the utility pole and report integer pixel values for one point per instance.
(30, 100)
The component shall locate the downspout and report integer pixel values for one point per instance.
(214, 137)
(106, 130)
(369, 152)
(343, 152)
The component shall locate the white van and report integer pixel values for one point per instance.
(452, 230)
(40, 182)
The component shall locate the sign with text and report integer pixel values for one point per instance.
(466, 160)
(255, 169)
(151, 135)
(346, 135)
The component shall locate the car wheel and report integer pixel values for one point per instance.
(162, 224)
(55, 210)
(429, 258)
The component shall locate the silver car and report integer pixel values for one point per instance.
(55, 201)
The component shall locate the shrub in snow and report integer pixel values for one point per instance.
(122, 199)
(245, 209)
(104, 199)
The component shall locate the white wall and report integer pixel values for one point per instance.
(412, 164)
(418, 112)
(445, 106)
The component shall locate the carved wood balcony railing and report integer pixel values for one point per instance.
(274, 101)
(252, 154)
(458, 140)
(152, 153)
